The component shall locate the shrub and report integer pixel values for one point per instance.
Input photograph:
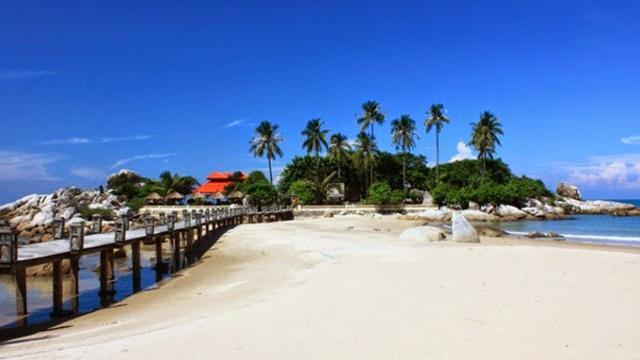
(379, 193)
(261, 194)
(87, 213)
(304, 191)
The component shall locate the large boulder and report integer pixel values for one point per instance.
(435, 215)
(511, 212)
(477, 215)
(422, 234)
(123, 176)
(569, 191)
(462, 230)
(427, 199)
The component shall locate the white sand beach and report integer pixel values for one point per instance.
(346, 288)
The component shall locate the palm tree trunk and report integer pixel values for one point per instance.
(404, 171)
(270, 173)
(371, 130)
(437, 156)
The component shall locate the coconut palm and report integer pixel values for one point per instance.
(485, 137)
(316, 137)
(371, 114)
(339, 149)
(170, 183)
(265, 143)
(365, 154)
(436, 120)
(403, 133)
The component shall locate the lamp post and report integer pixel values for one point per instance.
(8, 247)
(76, 238)
(58, 227)
(120, 231)
(96, 224)
(162, 219)
(149, 226)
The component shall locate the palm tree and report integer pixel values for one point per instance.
(403, 131)
(372, 113)
(365, 155)
(339, 149)
(436, 120)
(265, 143)
(175, 183)
(316, 139)
(484, 137)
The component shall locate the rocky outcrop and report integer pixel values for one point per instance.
(511, 212)
(123, 176)
(596, 207)
(485, 230)
(477, 215)
(32, 216)
(569, 191)
(422, 234)
(462, 230)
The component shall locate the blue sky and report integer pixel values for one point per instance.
(87, 88)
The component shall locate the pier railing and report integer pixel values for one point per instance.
(182, 232)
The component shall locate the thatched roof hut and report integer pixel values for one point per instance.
(153, 199)
(173, 198)
(235, 195)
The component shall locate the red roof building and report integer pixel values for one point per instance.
(216, 182)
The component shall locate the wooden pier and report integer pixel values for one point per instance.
(191, 229)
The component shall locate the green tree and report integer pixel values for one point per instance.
(174, 182)
(261, 194)
(339, 149)
(315, 138)
(266, 143)
(365, 154)
(436, 120)
(403, 132)
(371, 114)
(485, 137)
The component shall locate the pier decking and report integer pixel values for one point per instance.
(183, 236)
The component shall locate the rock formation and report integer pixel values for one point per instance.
(462, 230)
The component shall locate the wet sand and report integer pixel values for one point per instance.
(346, 288)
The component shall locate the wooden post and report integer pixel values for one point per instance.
(135, 260)
(74, 263)
(158, 243)
(176, 250)
(107, 276)
(20, 278)
(57, 289)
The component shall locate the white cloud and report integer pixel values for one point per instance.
(464, 152)
(236, 123)
(631, 140)
(142, 157)
(621, 170)
(15, 165)
(24, 74)
(84, 141)
(89, 172)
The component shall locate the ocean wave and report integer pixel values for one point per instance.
(591, 237)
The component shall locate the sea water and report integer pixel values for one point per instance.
(620, 230)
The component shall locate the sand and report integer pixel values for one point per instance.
(346, 288)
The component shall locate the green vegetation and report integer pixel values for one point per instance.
(379, 177)
(266, 143)
(88, 213)
(135, 188)
(259, 190)
(463, 181)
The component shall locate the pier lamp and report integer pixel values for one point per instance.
(149, 225)
(8, 246)
(193, 214)
(162, 218)
(58, 227)
(197, 218)
(207, 216)
(125, 218)
(96, 223)
(187, 218)
(171, 221)
(76, 238)
(121, 231)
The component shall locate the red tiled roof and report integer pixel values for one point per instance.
(212, 187)
(217, 176)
